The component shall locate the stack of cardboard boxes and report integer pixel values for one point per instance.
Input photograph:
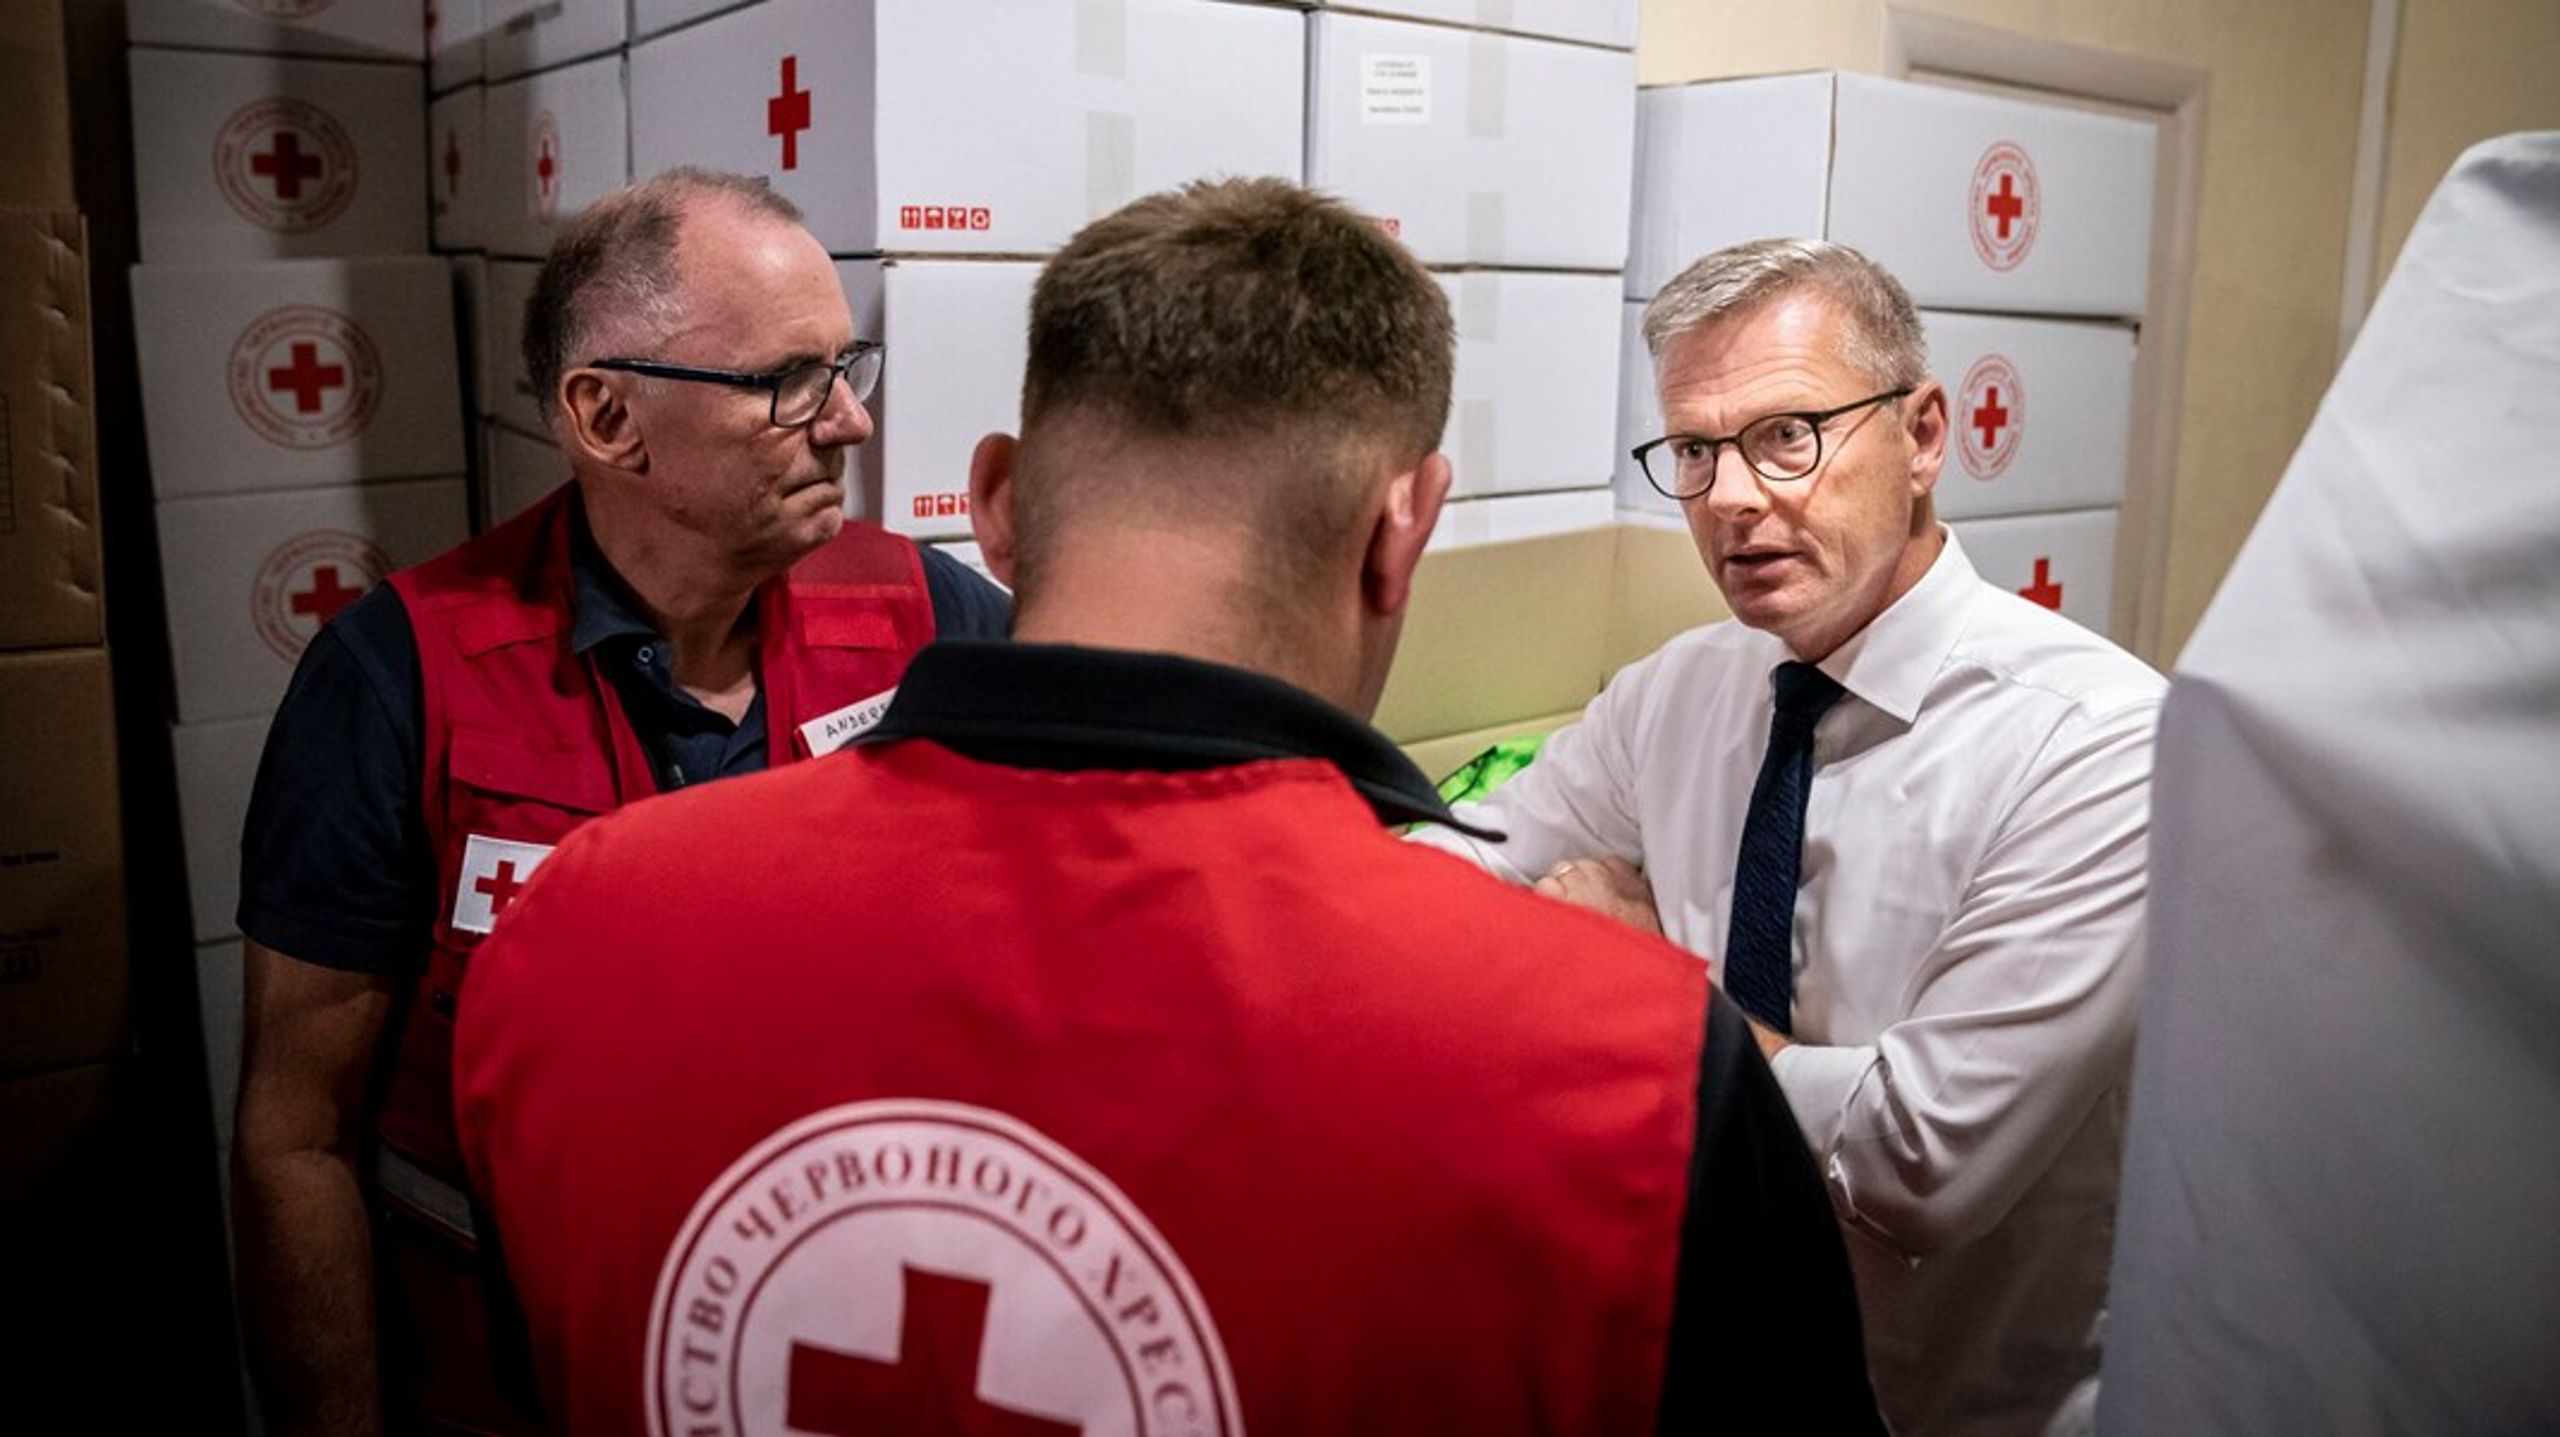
(2023, 232)
(65, 1010)
(301, 390)
(1496, 138)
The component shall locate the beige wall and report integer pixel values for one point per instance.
(2468, 69)
(2279, 157)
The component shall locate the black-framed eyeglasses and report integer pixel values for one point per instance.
(1776, 446)
(799, 392)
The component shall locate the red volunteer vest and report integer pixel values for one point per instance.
(1167, 1103)
(525, 741)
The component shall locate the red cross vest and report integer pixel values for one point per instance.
(1188, 1103)
(525, 741)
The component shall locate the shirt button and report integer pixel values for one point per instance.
(646, 656)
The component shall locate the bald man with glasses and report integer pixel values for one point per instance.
(692, 605)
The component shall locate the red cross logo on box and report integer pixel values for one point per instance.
(2006, 206)
(305, 377)
(285, 165)
(1991, 415)
(310, 579)
(2043, 590)
(494, 871)
(543, 151)
(787, 114)
(909, 1265)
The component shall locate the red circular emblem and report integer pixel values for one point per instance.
(286, 165)
(1991, 415)
(907, 1265)
(305, 377)
(2007, 202)
(285, 9)
(306, 581)
(542, 154)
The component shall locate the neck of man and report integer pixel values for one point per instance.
(1194, 594)
(698, 601)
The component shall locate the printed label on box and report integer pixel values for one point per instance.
(1991, 412)
(305, 377)
(1395, 89)
(2007, 203)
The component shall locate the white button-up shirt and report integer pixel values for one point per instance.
(1966, 954)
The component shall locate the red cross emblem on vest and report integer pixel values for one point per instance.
(494, 871)
(931, 1388)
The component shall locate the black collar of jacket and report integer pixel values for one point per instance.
(1055, 706)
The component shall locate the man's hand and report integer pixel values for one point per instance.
(1769, 1039)
(1609, 886)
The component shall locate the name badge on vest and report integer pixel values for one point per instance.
(828, 732)
(493, 870)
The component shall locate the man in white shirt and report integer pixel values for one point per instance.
(1946, 984)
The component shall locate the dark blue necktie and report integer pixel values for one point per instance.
(1759, 956)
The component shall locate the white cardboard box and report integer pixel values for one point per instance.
(297, 373)
(217, 764)
(222, 1005)
(1476, 148)
(454, 28)
(1535, 397)
(458, 161)
(1639, 419)
(241, 157)
(251, 577)
(958, 339)
(1592, 22)
(556, 142)
(2040, 412)
(651, 17)
(517, 471)
(1467, 522)
(369, 31)
(505, 394)
(2066, 562)
(1972, 201)
(973, 126)
(526, 35)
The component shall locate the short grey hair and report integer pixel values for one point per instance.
(1882, 330)
(613, 267)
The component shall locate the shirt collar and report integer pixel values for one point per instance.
(1891, 663)
(1055, 706)
(598, 607)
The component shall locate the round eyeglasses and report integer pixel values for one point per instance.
(1776, 446)
(799, 391)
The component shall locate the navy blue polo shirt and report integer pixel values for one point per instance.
(335, 865)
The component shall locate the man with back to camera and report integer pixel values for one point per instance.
(1959, 779)
(1143, 1080)
(692, 606)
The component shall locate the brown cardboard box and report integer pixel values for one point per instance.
(49, 582)
(64, 970)
(35, 105)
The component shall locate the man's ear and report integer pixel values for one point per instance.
(991, 503)
(1402, 530)
(596, 423)
(1925, 423)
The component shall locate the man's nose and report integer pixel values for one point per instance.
(842, 419)
(1733, 486)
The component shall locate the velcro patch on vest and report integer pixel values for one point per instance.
(828, 732)
(494, 870)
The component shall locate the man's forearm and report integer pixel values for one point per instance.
(306, 1292)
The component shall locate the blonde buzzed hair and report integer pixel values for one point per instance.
(1881, 329)
(1255, 320)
